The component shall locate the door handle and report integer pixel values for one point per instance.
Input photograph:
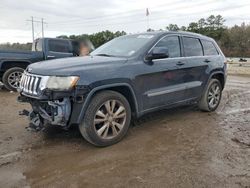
(50, 56)
(180, 63)
(207, 61)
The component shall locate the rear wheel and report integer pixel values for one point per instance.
(107, 119)
(211, 97)
(12, 78)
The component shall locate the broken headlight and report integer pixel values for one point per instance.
(60, 82)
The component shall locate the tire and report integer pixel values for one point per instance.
(211, 93)
(12, 77)
(103, 127)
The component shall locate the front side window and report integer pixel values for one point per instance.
(192, 47)
(59, 46)
(172, 44)
(209, 48)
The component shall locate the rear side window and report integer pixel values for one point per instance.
(172, 44)
(192, 47)
(59, 46)
(209, 48)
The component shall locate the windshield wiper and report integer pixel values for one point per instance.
(106, 55)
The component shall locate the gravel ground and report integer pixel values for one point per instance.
(181, 147)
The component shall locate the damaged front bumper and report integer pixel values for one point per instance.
(53, 108)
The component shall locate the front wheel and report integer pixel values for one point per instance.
(12, 77)
(211, 97)
(107, 119)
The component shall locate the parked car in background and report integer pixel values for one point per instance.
(126, 77)
(13, 63)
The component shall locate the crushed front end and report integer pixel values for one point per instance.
(53, 99)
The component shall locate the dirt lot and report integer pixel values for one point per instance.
(239, 69)
(173, 148)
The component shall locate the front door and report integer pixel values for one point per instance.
(161, 82)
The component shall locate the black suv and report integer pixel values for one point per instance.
(126, 77)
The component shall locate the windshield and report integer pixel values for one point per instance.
(124, 46)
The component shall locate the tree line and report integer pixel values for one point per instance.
(15, 46)
(234, 41)
(97, 38)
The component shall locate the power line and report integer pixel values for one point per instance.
(33, 28)
(156, 18)
(135, 12)
(83, 23)
(115, 15)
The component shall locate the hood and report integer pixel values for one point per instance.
(73, 65)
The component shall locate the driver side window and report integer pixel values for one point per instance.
(172, 43)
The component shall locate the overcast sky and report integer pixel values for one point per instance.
(66, 17)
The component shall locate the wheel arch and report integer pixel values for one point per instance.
(5, 65)
(123, 88)
(220, 75)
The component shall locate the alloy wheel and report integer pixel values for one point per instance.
(14, 79)
(214, 95)
(110, 119)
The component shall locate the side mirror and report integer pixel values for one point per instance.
(158, 53)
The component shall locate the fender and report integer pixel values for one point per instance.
(210, 77)
(96, 89)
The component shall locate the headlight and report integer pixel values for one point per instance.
(60, 82)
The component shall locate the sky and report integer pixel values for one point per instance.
(67, 17)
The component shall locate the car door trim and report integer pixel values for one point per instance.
(171, 89)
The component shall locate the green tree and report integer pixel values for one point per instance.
(172, 27)
(63, 37)
(183, 28)
(193, 27)
(202, 23)
(236, 41)
(97, 38)
(149, 30)
(15, 46)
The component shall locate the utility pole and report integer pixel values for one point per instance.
(42, 28)
(33, 29)
(147, 15)
(33, 34)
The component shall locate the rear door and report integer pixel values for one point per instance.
(193, 72)
(57, 48)
(211, 54)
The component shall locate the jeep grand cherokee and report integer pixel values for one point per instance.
(126, 77)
